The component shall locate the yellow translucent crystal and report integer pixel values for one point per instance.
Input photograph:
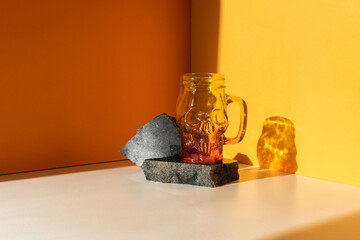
(276, 147)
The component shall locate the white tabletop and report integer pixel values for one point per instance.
(114, 201)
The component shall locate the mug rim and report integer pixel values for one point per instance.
(203, 76)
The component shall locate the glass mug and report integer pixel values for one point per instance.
(202, 117)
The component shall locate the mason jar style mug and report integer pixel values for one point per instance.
(202, 117)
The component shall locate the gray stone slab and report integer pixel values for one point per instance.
(157, 139)
(172, 170)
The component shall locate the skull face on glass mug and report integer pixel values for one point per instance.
(202, 117)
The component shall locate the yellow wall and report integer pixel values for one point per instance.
(299, 60)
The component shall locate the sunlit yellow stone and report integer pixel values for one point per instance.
(276, 147)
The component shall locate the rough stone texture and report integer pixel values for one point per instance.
(157, 139)
(172, 170)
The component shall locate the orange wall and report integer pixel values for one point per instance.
(77, 78)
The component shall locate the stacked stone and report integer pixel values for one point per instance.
(156, 149)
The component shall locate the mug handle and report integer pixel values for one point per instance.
(243, 119)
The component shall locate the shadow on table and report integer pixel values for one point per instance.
(345, 227)
(65, 170)
(249, 172)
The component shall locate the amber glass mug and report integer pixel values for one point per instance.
(202, 117)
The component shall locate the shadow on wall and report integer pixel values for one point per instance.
(243, 159)
(276, 147)
(205, 15)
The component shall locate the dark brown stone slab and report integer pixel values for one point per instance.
(172, 170)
